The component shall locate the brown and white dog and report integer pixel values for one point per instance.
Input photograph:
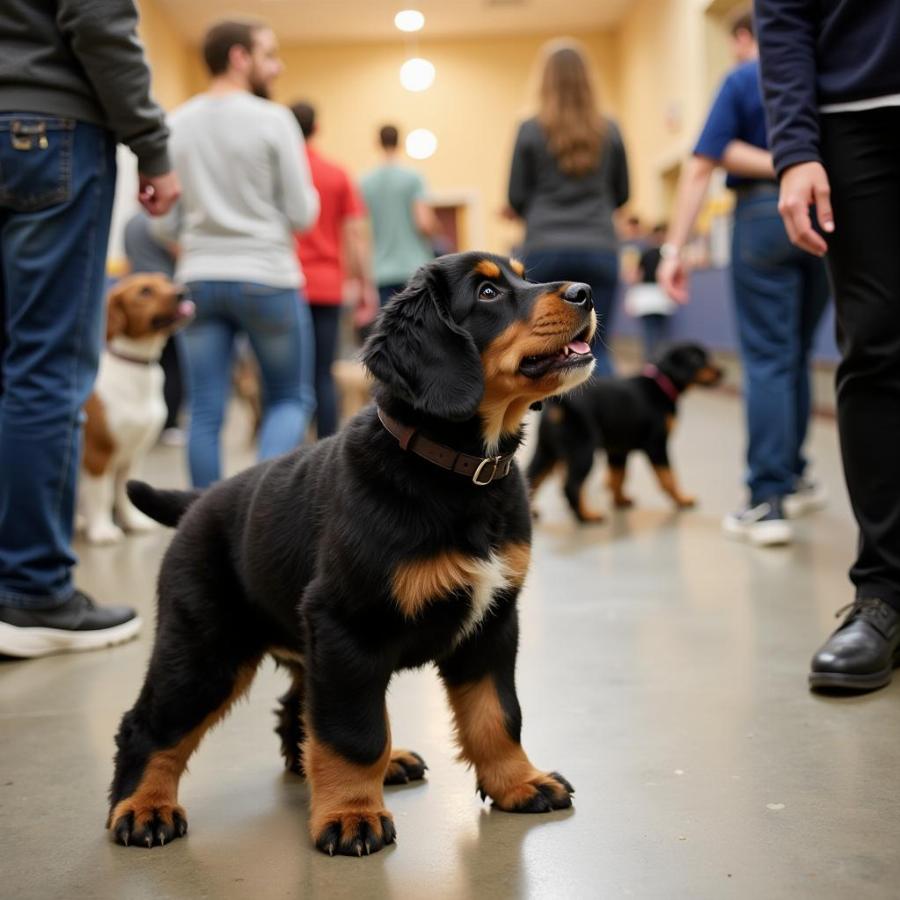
(126, 411)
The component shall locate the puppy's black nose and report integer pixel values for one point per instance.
(578, 294)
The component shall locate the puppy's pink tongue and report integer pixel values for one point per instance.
(186, 308)
(579, 347)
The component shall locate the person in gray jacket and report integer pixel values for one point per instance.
(569, 174)
(73, 82)
(247, 189)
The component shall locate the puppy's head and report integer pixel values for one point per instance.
(471, 336)
(687, 363)
(144, 306)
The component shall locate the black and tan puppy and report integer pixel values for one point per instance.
(400, 541)
(620, 416)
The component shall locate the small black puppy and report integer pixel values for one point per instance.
(619, 415)
(402, 540)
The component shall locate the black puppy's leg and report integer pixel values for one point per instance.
(347, 750)
(659, 457)
(190, 685)
(615, 479)
(290, 723)
(580, 461)
(480, 682)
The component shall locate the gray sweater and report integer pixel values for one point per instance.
(561, 211)
(246, 189)
(81, 59)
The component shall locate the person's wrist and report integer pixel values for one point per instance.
(670, 250)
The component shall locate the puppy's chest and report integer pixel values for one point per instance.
(429, 583)
(132, 396)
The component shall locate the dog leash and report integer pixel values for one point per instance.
(480, 470)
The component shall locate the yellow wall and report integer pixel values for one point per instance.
(171, 60)
(481, 91)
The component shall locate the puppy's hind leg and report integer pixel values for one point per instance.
(581, 461)
(615, 479)
(202, 661)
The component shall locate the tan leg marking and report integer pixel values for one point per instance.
(345, 794)
(670, 486)
(615, 480)
(503, 769)
(99, 444)
(157, 791)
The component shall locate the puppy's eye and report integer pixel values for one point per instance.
(488, 291)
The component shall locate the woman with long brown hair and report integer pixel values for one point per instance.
(569, 174)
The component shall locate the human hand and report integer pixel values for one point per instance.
(671, 275)
(366, 307)
(801, 186)
(158, 193)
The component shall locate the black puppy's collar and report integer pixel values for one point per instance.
(666, 385)
(480, 470)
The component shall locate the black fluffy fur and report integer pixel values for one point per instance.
(617, 415)
(298, 553)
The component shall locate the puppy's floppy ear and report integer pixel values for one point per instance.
(116, 320)
(422, 356)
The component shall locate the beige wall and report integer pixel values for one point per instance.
(171, 59)
(481, 91)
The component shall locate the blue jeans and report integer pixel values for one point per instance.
(278, 326)
(57, 180)
(780, 294)
(599, 269)
(655, 331)
(326, 319)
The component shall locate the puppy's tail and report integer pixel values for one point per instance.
(166, 507)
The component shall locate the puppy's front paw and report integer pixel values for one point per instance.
(542, 793)
(355, 832)
(143, 826)
(103, 533)
(135, 520)
(405, 766)
(682, 501)
(623, 502)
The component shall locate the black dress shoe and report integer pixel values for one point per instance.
(863, 653)
(76, 625)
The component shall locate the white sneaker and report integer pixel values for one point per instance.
(807, 497)
(763, 525)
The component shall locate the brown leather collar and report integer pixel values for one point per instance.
(132, 359)
(480, 470)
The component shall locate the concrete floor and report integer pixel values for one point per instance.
(662, 670)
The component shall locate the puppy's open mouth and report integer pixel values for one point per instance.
(184, 312)
(573, 355)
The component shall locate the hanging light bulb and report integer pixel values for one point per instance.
(409, 20)
(417, 74)
(421, 143)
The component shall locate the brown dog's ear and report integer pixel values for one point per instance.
(116, 320)
(422, 356)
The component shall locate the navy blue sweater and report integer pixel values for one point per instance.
(814, 52)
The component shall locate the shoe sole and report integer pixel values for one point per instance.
(849, 682)
(27, 643)
(762, 534)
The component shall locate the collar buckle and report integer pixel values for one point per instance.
(495, 462)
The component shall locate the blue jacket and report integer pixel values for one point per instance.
(814, 52)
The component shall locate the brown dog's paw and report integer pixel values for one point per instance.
(623, 502)
(684, 502)
(145, 826)
(542, 793)
(405, 766)
(355, 833)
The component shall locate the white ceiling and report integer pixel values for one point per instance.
(309, 21)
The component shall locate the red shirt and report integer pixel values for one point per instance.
(320, 249)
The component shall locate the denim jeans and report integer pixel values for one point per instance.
(57, 180)
(655, 331)
(326, 319)
(599, 269)
(278, 326)
(780, 294)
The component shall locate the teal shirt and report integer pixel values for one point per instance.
(400, 249)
